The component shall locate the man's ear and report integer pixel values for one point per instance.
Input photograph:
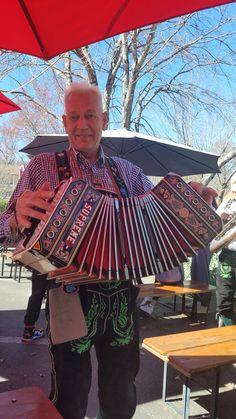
(64, 121)
(105, 120)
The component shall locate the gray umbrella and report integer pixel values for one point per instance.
(156, 156)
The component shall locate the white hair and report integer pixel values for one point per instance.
(81, 87)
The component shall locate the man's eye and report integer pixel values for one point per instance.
(90, 116)
(73, 117)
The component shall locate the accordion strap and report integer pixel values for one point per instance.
(63, 166)
(119, 182)
(64, 171)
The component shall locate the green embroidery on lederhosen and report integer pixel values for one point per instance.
(95, 311)
(225, 270)
(121, 318)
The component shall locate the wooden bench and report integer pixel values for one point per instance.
(191, 353)
(193, 288)
(27, 403)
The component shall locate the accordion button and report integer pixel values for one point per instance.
(187, 193)
(69, 202)
(63, 212)
(57, 223)
(74, 191)
(50, 234)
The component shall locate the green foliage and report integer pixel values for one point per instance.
(3, 203)
(213, 268)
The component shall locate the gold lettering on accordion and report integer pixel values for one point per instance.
(79, 223)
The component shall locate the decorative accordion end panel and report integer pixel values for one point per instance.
(91, 236)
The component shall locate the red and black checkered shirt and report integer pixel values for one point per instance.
(44, 168)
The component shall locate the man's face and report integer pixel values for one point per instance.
(84, 122)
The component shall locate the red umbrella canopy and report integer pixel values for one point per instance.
(46, 28)
(6, 105)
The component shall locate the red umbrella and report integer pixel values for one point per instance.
(6, 105)
(46, 28)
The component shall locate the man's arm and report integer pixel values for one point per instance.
(26, 200)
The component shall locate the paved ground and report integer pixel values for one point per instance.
(29, 365)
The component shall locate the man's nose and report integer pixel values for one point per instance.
(82, 122)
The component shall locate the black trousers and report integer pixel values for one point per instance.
(39, 286)
(112, 324)
(226, 284)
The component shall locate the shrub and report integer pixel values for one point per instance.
(3, 203)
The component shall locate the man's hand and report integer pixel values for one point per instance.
(30, 204)
(207, 193)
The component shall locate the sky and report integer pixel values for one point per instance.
(214, 82)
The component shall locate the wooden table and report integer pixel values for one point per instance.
(193, 288)
(27, 403)
(191, 353)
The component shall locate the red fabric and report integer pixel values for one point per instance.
(6, 105)
(67, 24)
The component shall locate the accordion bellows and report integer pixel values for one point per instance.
(91, 236)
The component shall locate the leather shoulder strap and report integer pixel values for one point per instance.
(64, 171)
(117, 178)
(63, 166)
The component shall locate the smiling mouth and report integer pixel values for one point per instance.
(82, 135)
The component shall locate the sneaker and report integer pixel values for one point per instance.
(31, 334)
(224, 321)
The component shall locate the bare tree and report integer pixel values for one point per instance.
(173, 79)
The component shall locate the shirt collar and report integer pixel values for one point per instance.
(81, 158)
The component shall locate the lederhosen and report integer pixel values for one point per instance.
(111, 319)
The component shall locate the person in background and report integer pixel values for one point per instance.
(200, 268)
(109, 308)
(38, 290)
(201, 261)
(200, 265)
(226, 277)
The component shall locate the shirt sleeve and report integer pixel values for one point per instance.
(40, 169)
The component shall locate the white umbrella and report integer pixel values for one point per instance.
(156, 156)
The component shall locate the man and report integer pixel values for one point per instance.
(109, 309)
(226, 278)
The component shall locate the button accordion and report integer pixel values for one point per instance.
(91, 236)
